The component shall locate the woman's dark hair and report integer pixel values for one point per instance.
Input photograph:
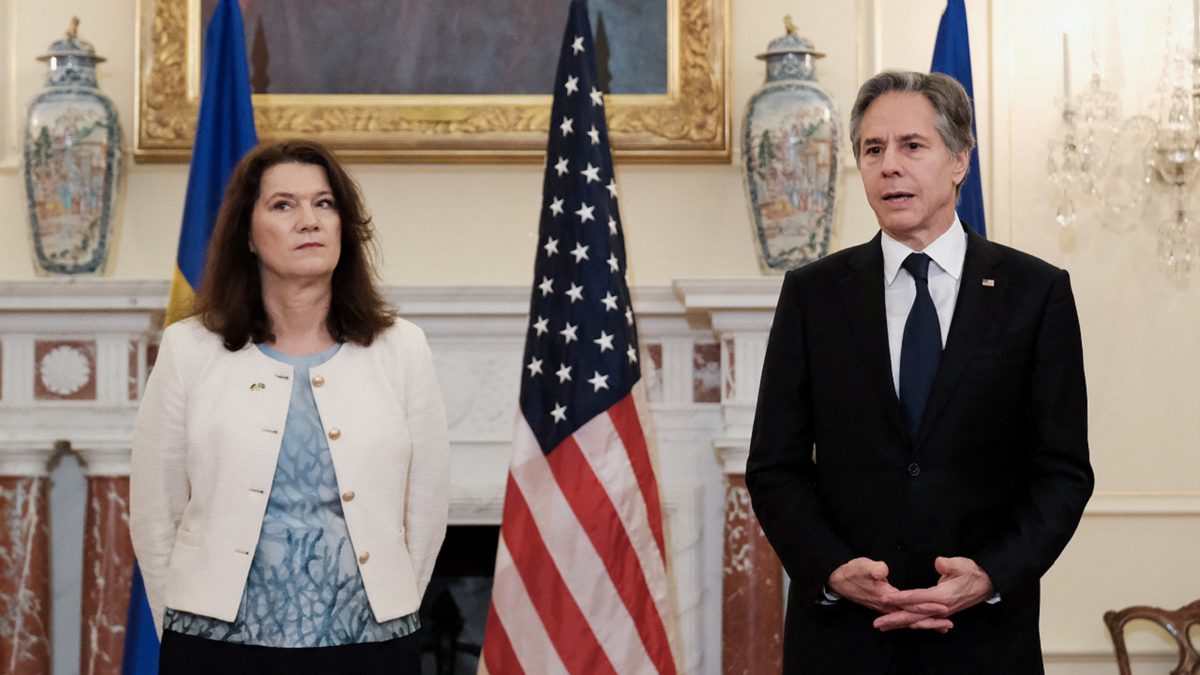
(230, 301)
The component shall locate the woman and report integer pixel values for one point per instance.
(288, 494)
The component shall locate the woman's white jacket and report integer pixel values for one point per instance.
(205, 447)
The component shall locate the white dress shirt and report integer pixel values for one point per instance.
(900, 290)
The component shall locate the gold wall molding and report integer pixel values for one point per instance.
(689, 124)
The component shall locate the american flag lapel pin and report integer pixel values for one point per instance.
(989, 282)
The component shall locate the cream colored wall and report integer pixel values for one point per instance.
(476, 225)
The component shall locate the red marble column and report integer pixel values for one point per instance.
(25, 596)
(107, 573)
(752, 590)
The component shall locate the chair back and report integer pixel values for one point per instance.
(1177, 622)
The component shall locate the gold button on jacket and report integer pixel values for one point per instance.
(362, 559)
(318, 381)
(348, 496)
(335, 434)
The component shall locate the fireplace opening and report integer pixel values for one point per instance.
(455, 607)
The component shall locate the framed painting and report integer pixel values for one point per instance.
(423, 81)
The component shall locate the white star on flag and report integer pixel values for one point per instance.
(597, 96)
(592, 173)
(613, 264)
(559, 413)
(563, 373)
(629, 315)
(552, 248)
(632, 354)
(585, 213)
(580, 252)
(605, 341)
(576, 292)
(609, 300)
(572, 85)
(599, 381)
(595, 135)
(612, 188)
(541, 325)
(577, 45)
(561, 167)
(547, 286)
(556, 207)
(569, 333)
(535, 367)
(566, 125)
(612, 226)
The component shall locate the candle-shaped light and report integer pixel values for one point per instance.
(1067, 69)
(1196, 27)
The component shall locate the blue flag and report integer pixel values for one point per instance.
(952, 56)
(141, 640)
(224, 134)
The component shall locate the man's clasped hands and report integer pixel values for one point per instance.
(963, 584)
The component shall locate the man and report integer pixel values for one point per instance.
(919, 456)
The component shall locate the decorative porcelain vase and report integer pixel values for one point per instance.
(72, 164)
(790, 140)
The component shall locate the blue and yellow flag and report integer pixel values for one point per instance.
(952, 56)
(224, 134)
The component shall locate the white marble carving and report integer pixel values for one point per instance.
(480, 384)
(65, 370)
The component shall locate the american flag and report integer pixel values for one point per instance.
(581, 582)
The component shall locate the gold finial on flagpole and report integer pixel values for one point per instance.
(791, 27)
(73, 31)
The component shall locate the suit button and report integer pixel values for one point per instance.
(348, 496)
(913, 469)
(318, 381)
(335, 434)
(362, 559)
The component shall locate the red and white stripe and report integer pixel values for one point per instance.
(581, 584)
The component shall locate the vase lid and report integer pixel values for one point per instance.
(71, 45)
(791, 43)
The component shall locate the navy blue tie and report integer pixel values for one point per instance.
(921, 349)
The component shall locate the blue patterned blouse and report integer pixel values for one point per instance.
(304, 589)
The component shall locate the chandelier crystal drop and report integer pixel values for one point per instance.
(1123, 172)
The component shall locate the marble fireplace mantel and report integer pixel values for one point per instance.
(74, 355)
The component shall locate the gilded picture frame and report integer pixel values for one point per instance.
(691, 123)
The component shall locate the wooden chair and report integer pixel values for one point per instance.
(1178, 623)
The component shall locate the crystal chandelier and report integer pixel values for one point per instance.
(1125, 171)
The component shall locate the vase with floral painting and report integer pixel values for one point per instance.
(790, 140)
(73, 162)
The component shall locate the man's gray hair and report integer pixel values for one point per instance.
(951, 106)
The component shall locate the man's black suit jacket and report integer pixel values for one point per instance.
(999, 471)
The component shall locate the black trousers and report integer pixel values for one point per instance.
(190, 655)
(905, 660)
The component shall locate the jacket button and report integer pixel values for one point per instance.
(348, 496)
(362, 559)
(335, 434)
(913, 469)
(318, 381)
